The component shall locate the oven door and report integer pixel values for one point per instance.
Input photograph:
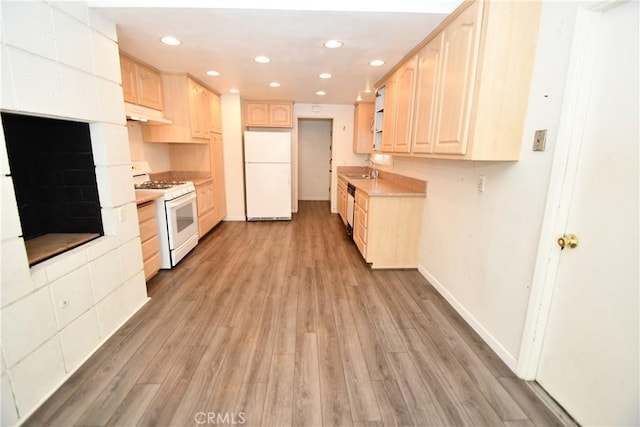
(182, 219)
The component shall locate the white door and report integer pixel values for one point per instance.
(589, 360)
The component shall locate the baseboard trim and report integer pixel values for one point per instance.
(495, 345)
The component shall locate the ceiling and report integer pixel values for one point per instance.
(226, 40)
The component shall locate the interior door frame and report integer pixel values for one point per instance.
(295, 153)
(588, 26)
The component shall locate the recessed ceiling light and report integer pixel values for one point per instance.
(325, 75)
(333, 44)
(262, 59)
(376, 62)
(213, 73)
(234, 91)
(367, 90)
(274, 84)
(171, 41)
(359, 98)
(321, 92)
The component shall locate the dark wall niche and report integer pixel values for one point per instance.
(53, 175)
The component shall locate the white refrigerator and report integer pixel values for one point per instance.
(267, 168)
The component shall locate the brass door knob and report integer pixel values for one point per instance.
(568, 240)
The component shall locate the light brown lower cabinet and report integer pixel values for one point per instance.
(387, 229)
(205, 199)
(149, 238)
(342, 200)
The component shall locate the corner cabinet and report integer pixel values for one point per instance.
(141, 84)
(363, 128)
(188, 104)
(473, 76)
(269, 114)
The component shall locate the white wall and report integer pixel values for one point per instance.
(60, 59)
(156, 154)
(233, 157)
(314, 154)
(342, 146)
(479, 249)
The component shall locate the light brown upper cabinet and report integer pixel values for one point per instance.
(425, 114)
(199, 113)
(269, 114)
(141, 84)
(363, 127)
(456, 84)
(215, 110)
(404, 98)
(188, 104)
(389, 114)
(473, 79)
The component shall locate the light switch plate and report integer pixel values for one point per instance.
(539, 140)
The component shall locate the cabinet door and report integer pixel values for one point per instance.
(129, 87)
(425, 112)
(149, 87)
(217, 165)
(363, 128)
(389, 117)
(405, 81)
(215, 112)
(199, 110)
(459, 59)
(280, 115)
(257, 114)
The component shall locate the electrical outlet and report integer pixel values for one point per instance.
(539, 140)
(481, 181)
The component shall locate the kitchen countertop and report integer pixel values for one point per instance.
(386, 185)
(146, 196)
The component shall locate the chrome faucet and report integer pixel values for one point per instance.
(374, 172)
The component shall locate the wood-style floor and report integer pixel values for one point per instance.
(282, 323)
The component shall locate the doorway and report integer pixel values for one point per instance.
(584, 345)
(314, 159)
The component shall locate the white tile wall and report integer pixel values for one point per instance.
(65, 263)
(37, 374)
(27, 324)
(76, 9)
(8, 408)
(46, 71)
(71, 296)
(80, 94)
(100, 246)
(115, 185)
(111, 312)
(110, 144)
(36, 37)
(16, 281)
(110, 101)
(9, 218)
(105, 274)
(103, 25)
(136, 291)
(106, 61)
(37, 83)
(79, 339)
(131, 258)
(72, 41)
(8, 98)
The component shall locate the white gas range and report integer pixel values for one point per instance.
(176, 213)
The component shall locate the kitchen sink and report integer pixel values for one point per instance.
(359, 176)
